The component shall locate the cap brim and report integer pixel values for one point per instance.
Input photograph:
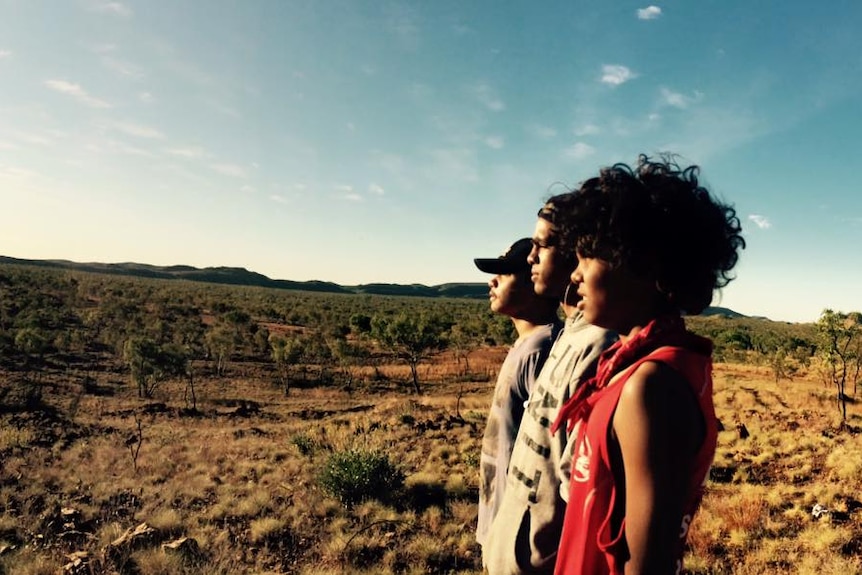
(498, 266)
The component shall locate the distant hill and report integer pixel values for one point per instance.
(722, 311)
(244, 277)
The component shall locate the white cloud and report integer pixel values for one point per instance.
(488, 97)
(579, 151)
(5, 54)
(115, 147)
(122, 68)
(376, 189)
(403, 23)
(351, 126)
(649, 13)
(761, 222)
(116, 8)
(454, 164)
(146, 97)
(139, 131)
(183, 68)
(654, 117)
(192, 153)
(229, 170)
(224, 109)
(542, 132)
(344, 188)
(246, 189)
(615, 74)
(461, 29)
(353, 197)
(15, 173)
(279, 199)
(40, 139)
(104, 48)
(392, 163)
(678, 100)
(495, 142)
(77, 92)
(587, 130)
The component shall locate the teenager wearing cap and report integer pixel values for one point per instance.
(525, 533)
(536, 322)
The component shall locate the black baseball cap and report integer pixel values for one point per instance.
(513, 260)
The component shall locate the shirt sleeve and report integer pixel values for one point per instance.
(531, 365)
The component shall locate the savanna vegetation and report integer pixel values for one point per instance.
(160, 426)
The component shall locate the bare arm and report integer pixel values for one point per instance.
(656, 427)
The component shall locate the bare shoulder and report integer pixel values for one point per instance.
(653, 380)
(658, 398)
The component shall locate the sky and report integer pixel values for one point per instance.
(394, 141)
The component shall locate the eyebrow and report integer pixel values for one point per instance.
(545, 241)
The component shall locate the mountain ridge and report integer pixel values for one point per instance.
(244, 277)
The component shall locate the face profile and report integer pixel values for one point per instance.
(610, 297)
(549, 267)
(510, 293)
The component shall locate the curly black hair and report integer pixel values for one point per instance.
(657, 220)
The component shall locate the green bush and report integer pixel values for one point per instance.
(305, 444)
(353, 476)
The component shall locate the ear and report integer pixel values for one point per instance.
(664, 292)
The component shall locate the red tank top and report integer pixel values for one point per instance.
(589, 544)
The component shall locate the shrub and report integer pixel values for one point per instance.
(353, 476)
(304, 444)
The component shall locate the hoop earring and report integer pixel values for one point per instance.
(566, 294)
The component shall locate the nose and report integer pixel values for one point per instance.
(533, 256)
(493, 281)
(577, 276)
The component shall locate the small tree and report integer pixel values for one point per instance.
(360, 324)
(409, 338)
(464, 338)
(150, 363)
(342, 356)
(779, 364)
(221, 342)
(838, 335)
(32, 341)
(286, 353)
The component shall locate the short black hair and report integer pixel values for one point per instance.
(657, 220)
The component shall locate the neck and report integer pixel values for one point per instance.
(525, 327)
(569, 309)
(630, 333)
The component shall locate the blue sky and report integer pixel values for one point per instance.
(375, 141)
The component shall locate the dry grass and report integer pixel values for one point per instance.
(243, 483)
(757, 515)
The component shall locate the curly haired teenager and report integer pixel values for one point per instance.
(652, 245)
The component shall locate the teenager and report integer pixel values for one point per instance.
(652, 244)
(537, 325)
(525, 533)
